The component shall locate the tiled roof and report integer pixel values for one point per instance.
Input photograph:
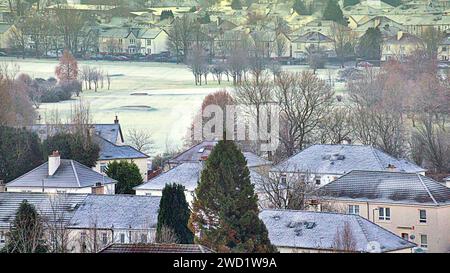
(390, 187)
(118, 211)
(70, 174)
(155, 248)
(317, 230)
(109, 150)
(195, 153)
(50, 206)
(341, 159)
(312, 37)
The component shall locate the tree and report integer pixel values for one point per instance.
(369, 46)
(431, 38)
(20, 152)
(300, 7)
(236, 4)
(344, 239)
(141, 140)
(174, 213)
(304, 101)
(27, 232)
(126, 174)
(350, 3)
(225, 209)
(73, 145)
(333, 12)
(343, 42)
(67, 70)
(394, 3)
(180, 36)
(166, 14)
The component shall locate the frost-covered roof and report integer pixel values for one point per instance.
(109, 150)
(391, 187)
(254, 160)
(155, 248)
(341, 159)
(317, 230)
(195, 153)
(70, 174)
(50, 206)
(118, 211)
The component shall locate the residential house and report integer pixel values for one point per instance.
(312, 42)
(62, 176)
(152, 40)
(110, 139)
(400, 46)
(119, 40)
(296, 231)
(5, 35)
(387, 26)
(322, 163)
(90, 222)
(155, 248)
(411, 205)
(443, 53)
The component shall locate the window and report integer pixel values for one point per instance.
(143, 238)
(120, 41)
(423, 240)
(122, 238)
(317, 180)
(149, 42)
(102, 167)
(283, 180)
(384, 214)
(444, 48)
(104, 238)
(353, 209)
(405, 236)
(422, 216)
(132, 41)
(2, 237)
(148, 193)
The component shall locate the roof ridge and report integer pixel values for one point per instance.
(426, 188)
(364, 231)
(376, 156)
(75, 173)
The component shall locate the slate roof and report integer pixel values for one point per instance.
(109, 150)
(317, 230)
(254, 160)
(118, 211)
(195, 153)
(111, 132)
(70, 174)
(313, 37)
(341, 159)
(390, 187)
(50, 206)
(149, 33)
(155, 248)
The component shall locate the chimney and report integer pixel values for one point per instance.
(2, 186)
(116, 120)
(98, 188)
(399, 35)
(346, 141)
(391, 168)
(54, 160)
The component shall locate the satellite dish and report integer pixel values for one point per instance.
(412, 237)
(373, 247)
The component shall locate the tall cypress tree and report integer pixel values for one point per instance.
(333, 12)
(174, 213)
(369, 46)
(225, 211)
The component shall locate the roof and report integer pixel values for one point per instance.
(195, 153)
(116, 32)
(111, 132)
(254, 160)
(4, 27)
(404, 38)
(155, 248)
(51, 206)
(313, 37)
(148, 33)
(317, 230)
(186, 174)
(70, 174)
(390, 187)
(341, 159)
(118, 211)
(109, 150)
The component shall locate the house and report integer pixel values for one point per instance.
(387, 26)
(119, 40)
(152, 41)
(5, 35)
(400, 46)
(110, 139)
(323, 163)
(90, 222)
(155, 248)
(295, 231)
(311, 42)
(62, 176)
(196, 153)
(443, 53)
(410, 205)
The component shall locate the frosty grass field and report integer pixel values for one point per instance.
(158, 97)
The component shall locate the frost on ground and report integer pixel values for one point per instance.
(159, 97)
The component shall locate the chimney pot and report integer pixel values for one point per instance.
(116, 120)
(54, 161)
(98, 188)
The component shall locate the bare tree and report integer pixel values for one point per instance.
(141, 140)
(56, 224)
(166, 236)
(344, 239)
